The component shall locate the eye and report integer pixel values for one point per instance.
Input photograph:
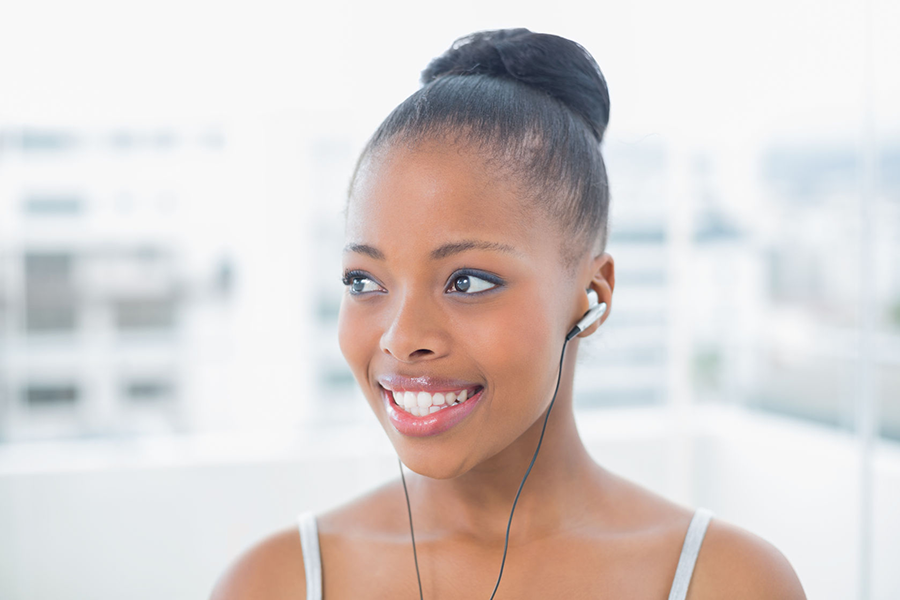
(471, 284)
(359, 282)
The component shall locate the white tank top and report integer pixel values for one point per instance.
(312, 561)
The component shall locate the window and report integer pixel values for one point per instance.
(145, 314)
(52, 205)
(41, 394)
(148, 390)
(50, 300)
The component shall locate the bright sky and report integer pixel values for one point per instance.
(699, 68)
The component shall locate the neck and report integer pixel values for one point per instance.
(479, 501)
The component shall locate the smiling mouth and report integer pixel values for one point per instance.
(422, 404)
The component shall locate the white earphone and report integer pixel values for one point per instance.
(595, 311)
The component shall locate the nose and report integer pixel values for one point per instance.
(415, 331)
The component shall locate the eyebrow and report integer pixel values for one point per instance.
(440, 252)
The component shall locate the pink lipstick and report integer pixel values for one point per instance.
(431, 423)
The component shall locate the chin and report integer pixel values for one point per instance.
(425, 463)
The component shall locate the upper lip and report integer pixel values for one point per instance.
(424, 383)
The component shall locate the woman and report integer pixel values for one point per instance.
(476, 227)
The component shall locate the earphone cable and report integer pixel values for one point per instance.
(521, 485)
(411, 533)
(533, 458)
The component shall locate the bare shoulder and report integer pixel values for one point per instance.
(273, 569)
(372, 513)
(737, 564)
(732, 563)
(269, 570)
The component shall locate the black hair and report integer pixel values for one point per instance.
(536, 102)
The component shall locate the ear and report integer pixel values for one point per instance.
(601, 277)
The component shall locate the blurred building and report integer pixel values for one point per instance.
(103, 268)
(333, 160)
(811, 243)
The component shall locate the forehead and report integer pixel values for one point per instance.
(442, 190)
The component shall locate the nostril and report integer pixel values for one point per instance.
(416, 354)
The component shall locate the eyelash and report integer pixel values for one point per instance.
(350, 275)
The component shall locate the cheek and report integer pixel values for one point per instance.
(515, 349)
(357, 339)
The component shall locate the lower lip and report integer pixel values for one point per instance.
(433, 424)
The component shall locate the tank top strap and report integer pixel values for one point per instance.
(312, 560)
(689, 550)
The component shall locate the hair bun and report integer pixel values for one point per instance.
(558, 66)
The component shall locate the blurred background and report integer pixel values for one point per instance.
(171, 181)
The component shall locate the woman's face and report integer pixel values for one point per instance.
(454, 284)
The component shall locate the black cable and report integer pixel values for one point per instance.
(411, 533)
(533, 458)
(521, 485)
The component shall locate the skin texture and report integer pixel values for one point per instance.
(579, 530)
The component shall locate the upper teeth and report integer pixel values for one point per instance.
(423, 403)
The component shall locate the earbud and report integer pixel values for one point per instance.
(595, 311)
